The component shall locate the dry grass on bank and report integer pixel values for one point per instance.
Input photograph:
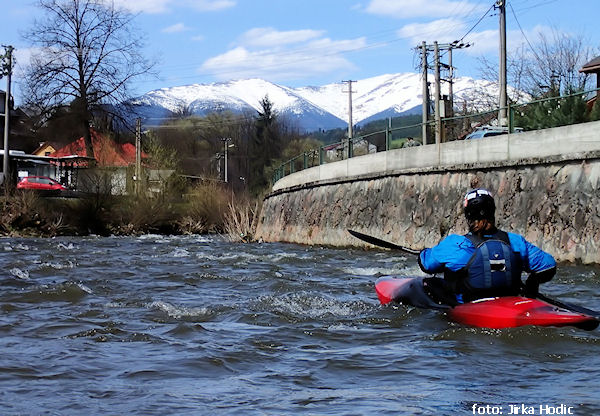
(25, 213)
(206, 208)
(203, 209)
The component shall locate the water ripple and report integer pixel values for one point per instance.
(196, 325)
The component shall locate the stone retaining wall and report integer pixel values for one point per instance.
(553, 202)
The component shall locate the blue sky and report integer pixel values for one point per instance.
(317, 42)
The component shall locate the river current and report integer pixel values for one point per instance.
(195, 325)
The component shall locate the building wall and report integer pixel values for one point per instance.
(546, 185)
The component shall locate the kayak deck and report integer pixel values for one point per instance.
(502, 312)
(515, 311)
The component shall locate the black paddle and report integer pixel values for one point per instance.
(386, 244)
(382, 243)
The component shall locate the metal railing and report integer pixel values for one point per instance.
(389, 138)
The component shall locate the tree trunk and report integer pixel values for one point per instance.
(87, 139)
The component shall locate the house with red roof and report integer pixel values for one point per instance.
(106, 152)
(114, 170)
(114, 163)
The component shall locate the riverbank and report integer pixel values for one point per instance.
(203, 210)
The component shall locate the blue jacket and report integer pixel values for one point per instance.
(453, 253)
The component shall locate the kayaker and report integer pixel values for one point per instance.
(485, 262)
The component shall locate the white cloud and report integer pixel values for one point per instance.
(405, 9)
(443, 30)
(486, 42)
(310, 56)
(211, 5)
(269, 37)
(145, 6)
(176, 28)
(449, 30)
(163, 6)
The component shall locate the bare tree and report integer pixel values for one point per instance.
(88, 52)
(557, 63)
(549, 65)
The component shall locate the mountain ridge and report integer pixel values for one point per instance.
(310, 108)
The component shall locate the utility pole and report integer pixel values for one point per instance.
(502, 115)
(436, 49)
(425, 106)
(438, 93)
(138, 156)
(226, 162)
(226, 145)
(348, 144)
(449, 130)
(6, 70)
(450, 83)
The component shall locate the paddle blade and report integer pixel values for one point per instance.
(381, 243)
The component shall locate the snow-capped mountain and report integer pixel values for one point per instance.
(310, 108)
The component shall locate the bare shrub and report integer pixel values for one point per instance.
(208, 208)
(189, 225)
(142, 214)
(240, 220)
(26, 213)
(207, 204)
(19, 211)
(56, 225)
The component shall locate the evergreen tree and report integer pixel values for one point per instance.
(570, 110)
(330, 136)
(265, 146)
(552, 113)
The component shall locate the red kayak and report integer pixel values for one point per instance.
(503, 312)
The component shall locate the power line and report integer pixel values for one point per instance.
(543, 3)
(524, 35)
(477, 24)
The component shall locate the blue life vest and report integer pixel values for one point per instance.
(494, 267)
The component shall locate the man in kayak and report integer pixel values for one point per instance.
(486, 262)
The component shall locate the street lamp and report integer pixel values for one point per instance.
(226, 145)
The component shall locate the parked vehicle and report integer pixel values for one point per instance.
(40, 183)
(489, 131)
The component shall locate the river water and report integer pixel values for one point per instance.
(159, 325)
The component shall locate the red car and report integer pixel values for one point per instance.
(42, 183)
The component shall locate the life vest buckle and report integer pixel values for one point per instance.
(498, 265)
